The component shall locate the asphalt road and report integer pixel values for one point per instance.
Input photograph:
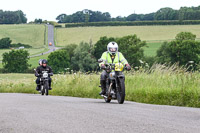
(29, 113)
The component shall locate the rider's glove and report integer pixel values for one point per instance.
(108, 69)
(103, 66)
(50, 74)
(128, 67)
(37, 75)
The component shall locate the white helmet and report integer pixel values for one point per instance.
(112, 47)
(40, 61)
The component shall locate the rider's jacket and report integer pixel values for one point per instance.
(117, 58)
(40, 70)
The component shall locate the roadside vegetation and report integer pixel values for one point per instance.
(165, 69)
(160, 85)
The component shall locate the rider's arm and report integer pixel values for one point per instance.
(50, 71)
(104, 58)
(125, 62)
(122, 59)
(37, 72)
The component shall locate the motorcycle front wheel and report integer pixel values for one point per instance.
(46, 88)
(121, 92)
(42, 90)
(108, 99)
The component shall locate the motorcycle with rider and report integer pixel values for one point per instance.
(43, 73)
(112, 79)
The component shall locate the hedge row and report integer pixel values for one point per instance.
(58, 26)
(133, 23)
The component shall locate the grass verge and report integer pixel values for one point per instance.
(161, 85)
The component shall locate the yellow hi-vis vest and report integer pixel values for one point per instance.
(107, 58)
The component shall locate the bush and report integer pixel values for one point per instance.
(149, 61)
(5, 43)
(185, 36)
(131, 47)
(58, 26)
(70, 50)
(16, 61)
(59, 61)
(20, 45)
(83, 58)
(182, 50)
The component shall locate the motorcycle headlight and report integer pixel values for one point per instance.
(112, 75)
(45, 75)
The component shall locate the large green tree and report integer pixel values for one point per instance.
(59, 61)
(101, 46)
(70, 50)
(182, 50)
(16, 61)
(83, 58)
(132, 48)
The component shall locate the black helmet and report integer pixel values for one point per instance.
(44, 61)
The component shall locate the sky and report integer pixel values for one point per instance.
(49, 10)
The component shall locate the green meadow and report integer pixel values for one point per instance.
(151, 34)
(31, 34)
(24, 33)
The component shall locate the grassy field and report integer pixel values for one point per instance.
(167, 86)
(66, 36)
(24, 33)
(151, 48)
(34, 35)
(34, 61)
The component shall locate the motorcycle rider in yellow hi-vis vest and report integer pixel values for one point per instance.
(111, 56)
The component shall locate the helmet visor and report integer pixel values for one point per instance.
(113, 49)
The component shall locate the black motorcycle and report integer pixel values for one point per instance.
(44, 83)
(115, 83)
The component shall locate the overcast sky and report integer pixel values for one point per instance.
(50, 9)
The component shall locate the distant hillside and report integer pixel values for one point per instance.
(26, 34)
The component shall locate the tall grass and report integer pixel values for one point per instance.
(159, 85)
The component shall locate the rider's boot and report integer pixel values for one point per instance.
(38, 88)
(50, 86)
(103, 87)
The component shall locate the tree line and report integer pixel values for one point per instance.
(12, 17)
(131, 23)
(184, 13)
